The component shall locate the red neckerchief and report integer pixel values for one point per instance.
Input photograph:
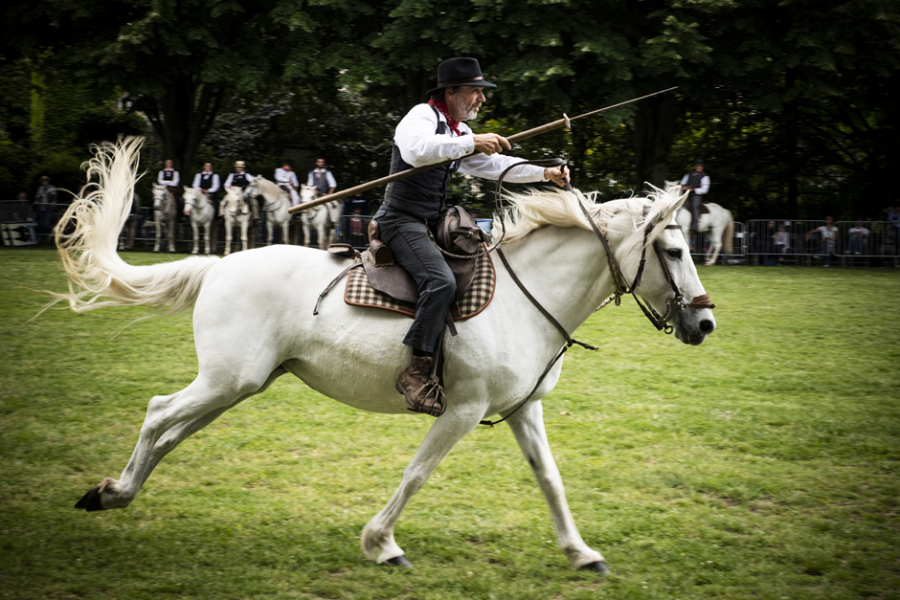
(442, 106)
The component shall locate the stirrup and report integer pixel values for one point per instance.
(434, 392)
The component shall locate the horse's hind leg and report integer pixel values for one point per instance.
(378, 536)
(528, 427)
(169, 421)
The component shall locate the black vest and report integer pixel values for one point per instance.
(320, 180)
(695, 180)
(168, 175)
(240, 180)
(424, 195)
(206, 182)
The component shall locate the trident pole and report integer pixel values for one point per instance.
(513, 139)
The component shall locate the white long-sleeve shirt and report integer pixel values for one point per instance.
(420, 146)
(176, 178)
(289, 177)
(704, 184)
(215, 182)
(230, 178)
(311, 179)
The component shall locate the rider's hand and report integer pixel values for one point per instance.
(558, 175)
(490, 143)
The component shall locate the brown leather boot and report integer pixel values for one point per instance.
(422, 390)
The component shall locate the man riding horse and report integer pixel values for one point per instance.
(433, 133)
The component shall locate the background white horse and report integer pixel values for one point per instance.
(165, 214)
(198, 206)
(253, 323)
(236, 211)
(320, 217)
(718, 223)
(276, 203)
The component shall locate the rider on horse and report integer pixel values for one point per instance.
(697, 182)
(433, 133)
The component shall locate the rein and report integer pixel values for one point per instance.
(661, 322)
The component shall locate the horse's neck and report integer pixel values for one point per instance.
(564, 269)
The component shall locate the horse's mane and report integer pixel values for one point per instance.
(540, 207)
(268, 187)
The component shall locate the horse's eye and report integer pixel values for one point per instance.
(674, 253)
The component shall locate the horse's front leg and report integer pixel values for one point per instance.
(715, 246)
(158, 219)
(196, 229)
(378, 536)
(171, 228)
(228, 234)
(244, 225)
(528, 427)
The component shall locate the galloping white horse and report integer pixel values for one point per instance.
(253, 323)
(320, 217)
(718, 222)
(202, 213)
(165, 212)
(276, 205)
(236, 211)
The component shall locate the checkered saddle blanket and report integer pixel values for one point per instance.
(359, 292)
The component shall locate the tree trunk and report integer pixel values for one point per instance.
(182, 117)
(654, 128)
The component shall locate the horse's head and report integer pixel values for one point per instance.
(307, 193)
(193, 197)
(233, 202)
(669, 281)
(159, 193)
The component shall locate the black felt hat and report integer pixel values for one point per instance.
(698, 162)
(460, 71)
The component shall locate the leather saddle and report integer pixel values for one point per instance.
(704, 210)
(458, 233)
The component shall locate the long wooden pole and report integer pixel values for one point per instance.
(524, 135)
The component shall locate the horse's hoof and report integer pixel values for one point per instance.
(398, 561)
(90, 501)
(597, 567)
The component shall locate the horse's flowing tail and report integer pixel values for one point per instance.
(728, 236)
(88, 233)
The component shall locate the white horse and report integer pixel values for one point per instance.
(320, 217)
(718, 222)
(165, 213)
(253, 323)
(198, 206)
(276, 205)
(236, 210)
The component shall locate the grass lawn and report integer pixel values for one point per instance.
(763, 464)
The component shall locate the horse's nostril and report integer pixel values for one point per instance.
(706, 326)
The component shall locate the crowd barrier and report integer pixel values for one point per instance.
(855, 243)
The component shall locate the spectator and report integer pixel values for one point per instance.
(859, 238)
(828, 237)
(782, 241)
(767, 245)
(209, 184)
(893, 215)
(357, 239)
(45, 203)
(287, 180)
(22, 211)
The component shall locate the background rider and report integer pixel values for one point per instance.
(240, 178)
(697, 183)
(286, 178)
(208, 183)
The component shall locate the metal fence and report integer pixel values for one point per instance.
(804, 242)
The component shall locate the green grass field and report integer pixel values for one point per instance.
(763, 464)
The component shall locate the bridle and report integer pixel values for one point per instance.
(674, 305)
